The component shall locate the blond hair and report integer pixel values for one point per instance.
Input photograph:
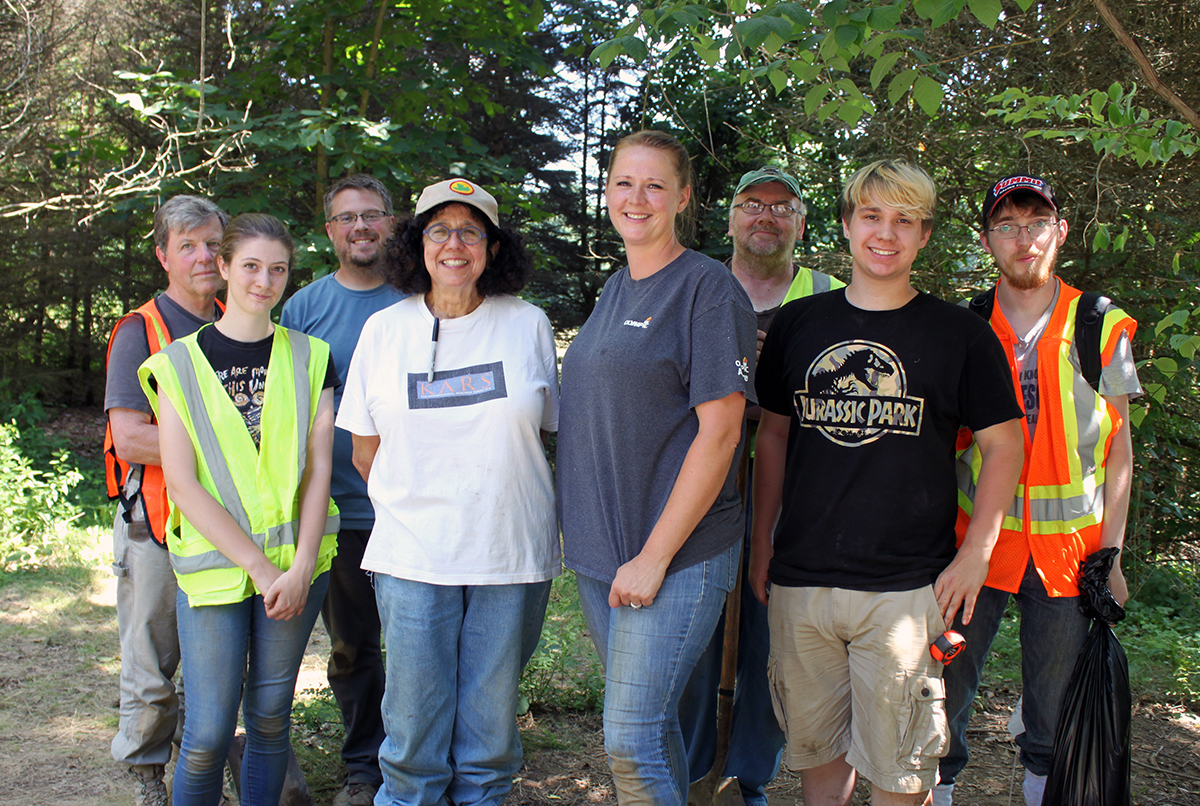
(896, 183)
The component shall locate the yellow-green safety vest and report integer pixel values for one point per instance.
(259, 488)
(808, 282)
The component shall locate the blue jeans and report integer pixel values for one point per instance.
(756, 741)
(648, 657)
(219, 643)
(454, 660)
(1052, 633)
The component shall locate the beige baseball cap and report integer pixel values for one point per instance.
(462, 191)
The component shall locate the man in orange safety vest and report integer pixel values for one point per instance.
(187, 235)
(1073, 370)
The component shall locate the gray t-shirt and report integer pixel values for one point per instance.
(328, 310)
(651, 351)
(1118, 377)
(130, 349)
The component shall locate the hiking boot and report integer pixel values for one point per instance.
(355, 794)
(150, 789)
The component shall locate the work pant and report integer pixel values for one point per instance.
(356, 673)
(1052, 633)
(146, 588)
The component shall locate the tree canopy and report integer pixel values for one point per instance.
(109, 109)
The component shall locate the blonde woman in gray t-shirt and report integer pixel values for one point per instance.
(653, 392)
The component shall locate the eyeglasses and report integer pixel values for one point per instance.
(369, 217)
(440, 233)
(779, 209)
(1036, 230)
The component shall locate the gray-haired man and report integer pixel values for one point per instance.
(187, 235)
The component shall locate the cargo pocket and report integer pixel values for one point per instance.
(120, 553)
(777, 698)
(925, 731)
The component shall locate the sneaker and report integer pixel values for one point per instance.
(355, 794)
(150, 790)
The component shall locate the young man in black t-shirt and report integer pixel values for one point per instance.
(863, 392)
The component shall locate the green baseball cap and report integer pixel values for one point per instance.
(768, 174)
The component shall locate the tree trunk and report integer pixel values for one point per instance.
(326, 95)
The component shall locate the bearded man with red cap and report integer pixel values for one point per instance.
(1073, 370)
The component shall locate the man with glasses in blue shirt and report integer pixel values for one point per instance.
(359, 222)
(1073, 495)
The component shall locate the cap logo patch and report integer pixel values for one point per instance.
(1017, 181)
(459, 186)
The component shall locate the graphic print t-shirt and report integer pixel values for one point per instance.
(460, 482)
(876, 399)
(241, 366)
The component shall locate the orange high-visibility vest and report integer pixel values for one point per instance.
(116, 469)
(1058, 511)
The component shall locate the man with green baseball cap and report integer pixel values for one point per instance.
(766, 217)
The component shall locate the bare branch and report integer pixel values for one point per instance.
(1152, 79)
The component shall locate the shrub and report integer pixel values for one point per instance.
(36, 510)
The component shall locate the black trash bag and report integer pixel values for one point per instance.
(1095, 599)
(1090, 765)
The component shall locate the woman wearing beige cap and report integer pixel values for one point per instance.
(448, 396)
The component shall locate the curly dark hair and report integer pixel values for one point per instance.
(505, 273)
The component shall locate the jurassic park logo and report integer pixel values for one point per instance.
(856, 392)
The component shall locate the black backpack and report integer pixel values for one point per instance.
(1089, 327)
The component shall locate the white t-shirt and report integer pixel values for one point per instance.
(460, 484)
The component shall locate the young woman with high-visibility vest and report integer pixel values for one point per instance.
(245, 412)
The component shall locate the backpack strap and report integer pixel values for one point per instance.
(982, 304)
(1089, 327)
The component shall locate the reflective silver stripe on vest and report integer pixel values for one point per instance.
(820, 282)
(1087, 422)
(301, 350)
(966, 485)
(206, 436)
(1062, 511)
(282, 535)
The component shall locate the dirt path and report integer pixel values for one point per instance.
(58, 688)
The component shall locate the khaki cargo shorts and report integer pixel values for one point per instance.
(851, 673)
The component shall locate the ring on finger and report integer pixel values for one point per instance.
(635, 606)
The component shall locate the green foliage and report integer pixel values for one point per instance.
(564, 672)
(35, 506)
(802, 45)
(1160, 633)
(1108, 120)
(317, 738)
(46, 497)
